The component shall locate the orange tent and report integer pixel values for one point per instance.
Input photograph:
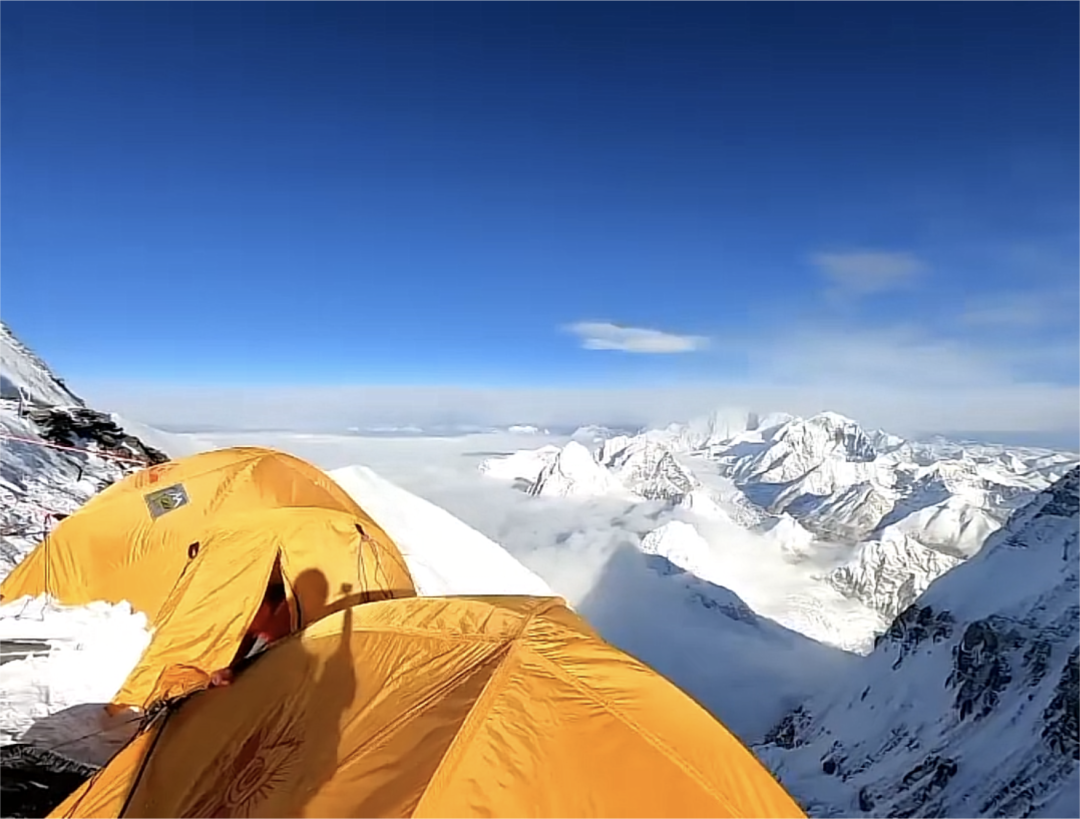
(485, 706)
(325, 560)
(134, 540)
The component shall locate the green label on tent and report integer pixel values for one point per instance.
(166, 500)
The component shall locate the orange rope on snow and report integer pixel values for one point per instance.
(85, 451)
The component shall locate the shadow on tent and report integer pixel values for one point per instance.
(244, 749)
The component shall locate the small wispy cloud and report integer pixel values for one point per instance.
(1018, 310)
(863, 272)
(602, 335)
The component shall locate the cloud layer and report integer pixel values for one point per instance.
(602, 335)
(1017, 408)
(864, 272)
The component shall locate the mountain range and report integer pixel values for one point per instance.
(895, 622)
(884, 516)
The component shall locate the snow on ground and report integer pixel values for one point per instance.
(523, 465)
(573, 472)
(22, 371)
(680, 543)
(445, 555)
(172, 444)
(55, 698)
(786, 588)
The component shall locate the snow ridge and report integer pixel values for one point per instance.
(21, 370)
(968, 704)
(573, 473)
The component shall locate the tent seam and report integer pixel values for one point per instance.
(417, 708)
(651, 738)
(483, 705)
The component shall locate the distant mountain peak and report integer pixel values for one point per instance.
(24, 376)
(573, 472)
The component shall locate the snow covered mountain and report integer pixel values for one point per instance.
(572, 472)
(904, 511)
(647, 467)
(25, 376)
(968, 706)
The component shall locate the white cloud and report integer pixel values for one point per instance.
(1021, 310)
(894, 357)
(864, 272)
(919, 406)
(904, 379)
(602, 335)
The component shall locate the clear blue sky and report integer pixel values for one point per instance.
(412, 193)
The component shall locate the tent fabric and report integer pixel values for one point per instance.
(133, 540)
(326, 560)
(472, 706)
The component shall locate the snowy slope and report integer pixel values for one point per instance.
(82, 656)
(647, 467)
(524, 465)
(573, 473)
(22, 371)
(707, 431)
(968, 704)
(744, 667)
(445, 555)
(680, 543)
(36, 484)
(890, 573)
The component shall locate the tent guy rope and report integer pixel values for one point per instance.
(66, 448)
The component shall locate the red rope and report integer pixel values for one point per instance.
(141, 461)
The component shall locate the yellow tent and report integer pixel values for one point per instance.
(133, 541)
(456, 707)
(325, 560)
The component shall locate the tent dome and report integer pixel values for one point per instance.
(133, 540)
(438, 707)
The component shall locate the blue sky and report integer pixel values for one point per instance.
(544, 195)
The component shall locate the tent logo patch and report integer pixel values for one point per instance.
(263, 763)
(166, 500)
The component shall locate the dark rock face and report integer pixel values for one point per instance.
(914, 626)
(1060, 726)
(787, 733)
(79, 427)
(1064, 497)
(856, 443)
(668, 481)
(981, 669)
(1037, 661)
